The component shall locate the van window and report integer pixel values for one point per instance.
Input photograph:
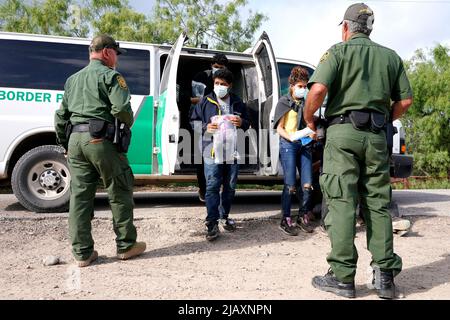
(251, 78)
(46, 66)
(284, 70)
(264, 60)
(135, 68)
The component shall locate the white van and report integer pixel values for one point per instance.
(34, 69)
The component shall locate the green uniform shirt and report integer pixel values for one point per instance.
(96, 91)
(361, 74)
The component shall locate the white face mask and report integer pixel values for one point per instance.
(221, 91)
(214, 70)
(299, 93)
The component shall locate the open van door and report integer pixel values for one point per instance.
(168, 115)
(269, 94)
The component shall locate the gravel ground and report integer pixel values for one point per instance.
(257, 261)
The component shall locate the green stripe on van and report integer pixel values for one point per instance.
(159, 123)
(140, 154)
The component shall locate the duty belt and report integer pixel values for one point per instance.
(84, 127)
(339, 120)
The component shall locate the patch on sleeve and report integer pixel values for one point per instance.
(325, 56)
(121, 81)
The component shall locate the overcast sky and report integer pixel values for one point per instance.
(305, 29)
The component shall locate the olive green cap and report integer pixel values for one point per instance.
(105, 41)
(361, 13)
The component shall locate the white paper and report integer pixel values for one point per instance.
(297, 135)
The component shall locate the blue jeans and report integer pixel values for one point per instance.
(295, 157)
(218, 205)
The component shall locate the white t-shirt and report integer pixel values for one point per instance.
(224, 104)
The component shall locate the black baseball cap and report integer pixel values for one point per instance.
(105, 41)
(359, 12)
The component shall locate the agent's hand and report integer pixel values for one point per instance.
(64, 150)
(312, 126)
(313, 136)
(212, 127)
(237, 121)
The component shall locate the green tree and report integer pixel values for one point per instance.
(117, 18)
(50, 17)
(206, 21)
(428, 120)
(77, 18)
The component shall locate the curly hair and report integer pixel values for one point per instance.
(298, 74)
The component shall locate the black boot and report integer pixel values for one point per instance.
(330, 283)
(383, 281)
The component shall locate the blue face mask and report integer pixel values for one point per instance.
(299, 93)
(214, 70)
(221, 91)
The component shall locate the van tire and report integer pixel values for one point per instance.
(41, 180)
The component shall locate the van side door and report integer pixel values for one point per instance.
(168, 115)
(269, 94)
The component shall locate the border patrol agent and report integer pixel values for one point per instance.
(94, 97)
(366, 85)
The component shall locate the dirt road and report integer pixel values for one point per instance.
(258, 261)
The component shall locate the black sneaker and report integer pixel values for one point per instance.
(213, 231)
(228, 224)
(201, 195)
(330, 283)
(288, 227)
(304, 225)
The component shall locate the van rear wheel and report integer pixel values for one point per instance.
(41, 180)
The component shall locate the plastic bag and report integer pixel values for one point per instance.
(198, 89)
(224, 139)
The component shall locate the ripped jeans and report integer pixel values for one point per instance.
(295, 157)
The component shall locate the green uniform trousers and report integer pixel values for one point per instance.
(88, 161)
(356, 168)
